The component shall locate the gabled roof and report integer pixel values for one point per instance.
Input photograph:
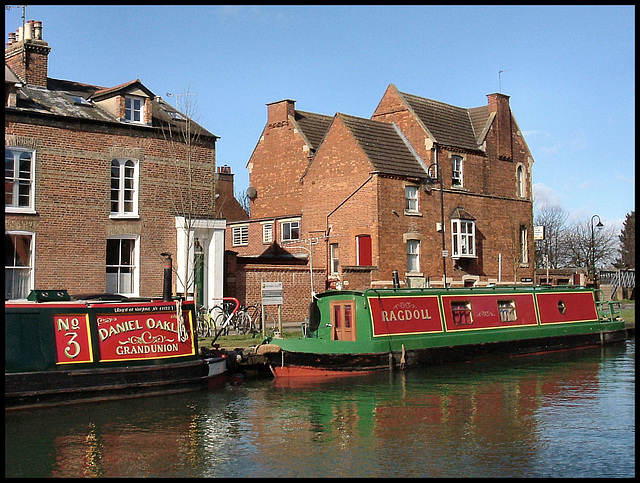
(313, 127)
(75, 100)
(387, 151)
(126, 87)
(449, 125)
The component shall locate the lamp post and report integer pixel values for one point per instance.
(438, 180)
(593, 248)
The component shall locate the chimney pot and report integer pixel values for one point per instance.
(37, 30)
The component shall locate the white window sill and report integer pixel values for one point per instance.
(412, 213)
(20, 211)
(124, 217)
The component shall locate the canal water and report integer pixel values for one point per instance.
(564, 414)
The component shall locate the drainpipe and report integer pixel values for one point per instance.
(444, 243)
(337, 208)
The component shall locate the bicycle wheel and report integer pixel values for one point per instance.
(219, 321)
(201, 323)
(242, 322)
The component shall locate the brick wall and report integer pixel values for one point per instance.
(277, 165)
(73, 201)
(296, 285)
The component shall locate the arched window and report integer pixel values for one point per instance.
(520, 181)
(124, 187)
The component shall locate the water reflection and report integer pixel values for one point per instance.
(562, 414)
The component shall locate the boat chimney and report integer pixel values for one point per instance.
(396, 280)
(168, 269)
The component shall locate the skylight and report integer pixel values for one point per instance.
(81, 101)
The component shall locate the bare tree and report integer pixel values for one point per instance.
(554, 219)
(580, 250)
(243, 199)
(192, 185)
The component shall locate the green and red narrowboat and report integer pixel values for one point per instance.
(59, 350)
(351, 332)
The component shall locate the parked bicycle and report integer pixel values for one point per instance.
(206, 324)
(254, 313)
(243, 320)
(224, 314)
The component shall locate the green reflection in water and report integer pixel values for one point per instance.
(559, 414)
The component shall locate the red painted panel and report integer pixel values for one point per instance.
(144, 335)
(485, 313)
(73, 338)
(578, 307)
(405, 315)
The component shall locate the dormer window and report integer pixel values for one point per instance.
(133, 109)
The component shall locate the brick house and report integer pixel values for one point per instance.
(372, 196)
(96, 185)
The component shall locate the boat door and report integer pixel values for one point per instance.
(343, 320)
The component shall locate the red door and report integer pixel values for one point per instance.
(364, 250)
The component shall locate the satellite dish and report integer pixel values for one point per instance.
(252, 192)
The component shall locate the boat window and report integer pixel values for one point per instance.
(461, 312)
(337, 317)
(562, 308)
(507, 310)
(347, 316)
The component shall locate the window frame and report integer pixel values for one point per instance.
(334, 258)
(413, 255)
(457, 171)
(129, 112)
(461, 241)
(289, 228)
(267, 233)
(520, 181)
(16, 182)
(411, 196)
(507, 310)
(133, 266)
(240, 236)
(461, 313)
(122, 189)
(29, 286)
(524, 245)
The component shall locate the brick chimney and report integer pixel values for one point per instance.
(278, 112)
(499, 103)
(27, 54)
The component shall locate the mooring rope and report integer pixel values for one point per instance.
(183, 334)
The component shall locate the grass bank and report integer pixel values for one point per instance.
(241, 341)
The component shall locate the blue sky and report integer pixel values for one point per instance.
(569, 72)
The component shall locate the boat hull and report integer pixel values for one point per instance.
(317, 365)
(355, 332)
(69, 351)
(53, 388)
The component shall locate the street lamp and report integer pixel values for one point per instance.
(428, 182)
(593, 248)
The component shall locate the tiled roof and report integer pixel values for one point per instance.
(450, 125)
(384, 147)
(73, 100)
(313, 126)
